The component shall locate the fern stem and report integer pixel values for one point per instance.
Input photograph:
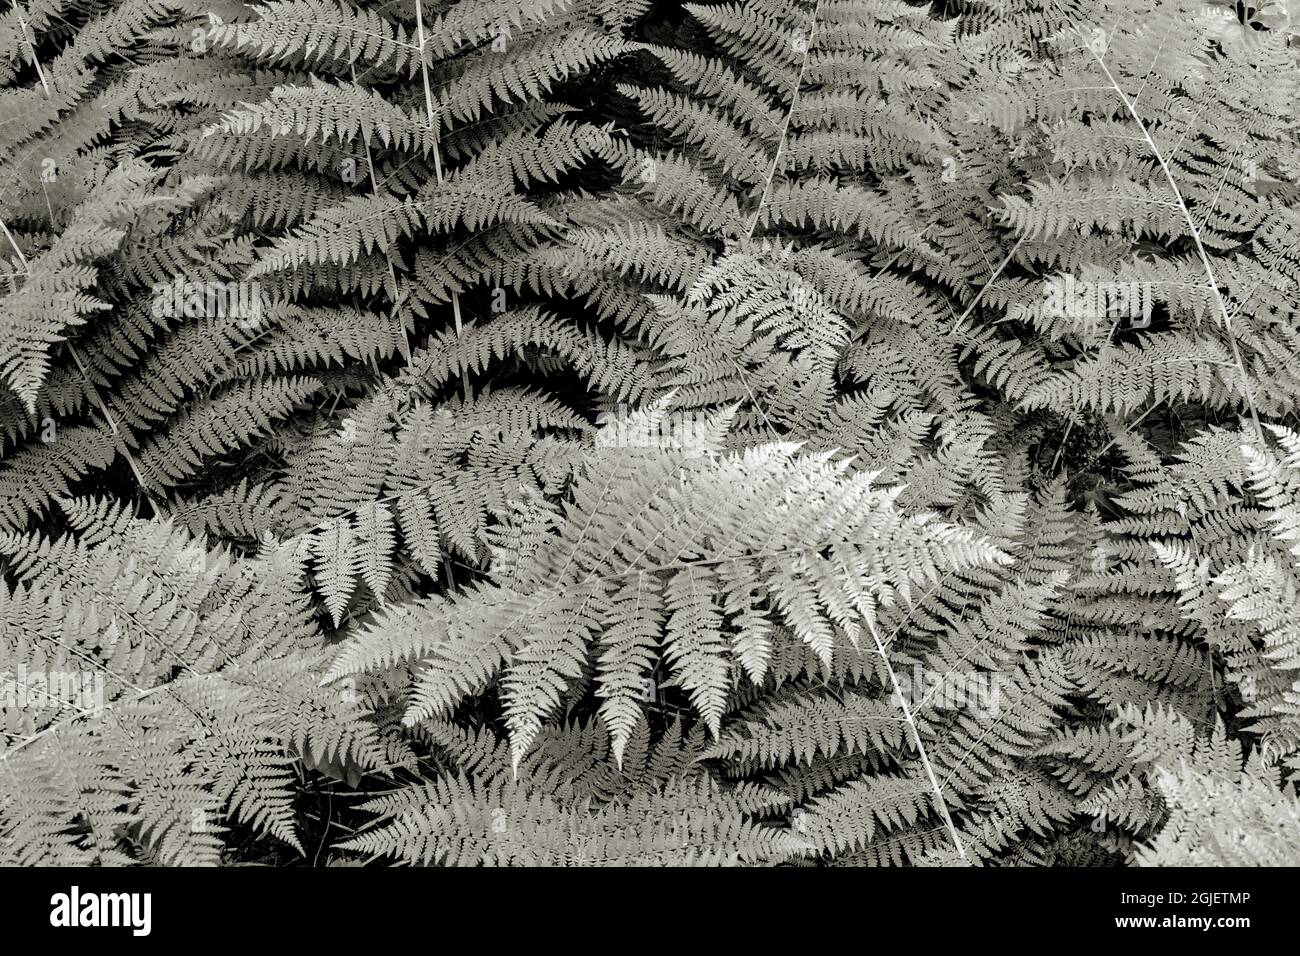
(1209, 275)
(980, 739)
(437, 172)
(31, 45)
(117, 433)
(60, 724)
(392, 272)
(916, 736)
(22, 259)
(785, 126)
(986, 286)
(1191, 225)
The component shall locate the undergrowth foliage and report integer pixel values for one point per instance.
(605, 432)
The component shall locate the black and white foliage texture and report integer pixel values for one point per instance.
(624, 432)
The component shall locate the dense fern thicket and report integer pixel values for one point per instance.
(607, 432)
